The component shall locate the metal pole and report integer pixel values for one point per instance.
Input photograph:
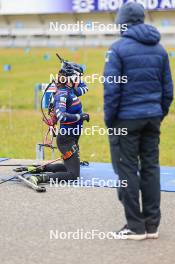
(39, 152)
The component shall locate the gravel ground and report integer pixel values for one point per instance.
(27, 219)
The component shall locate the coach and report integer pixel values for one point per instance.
(138, 105)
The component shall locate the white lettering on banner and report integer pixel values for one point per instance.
(152, 4)
(148, 4)
(104, 5)
(165, 4)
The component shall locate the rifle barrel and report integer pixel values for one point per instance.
(59, 57)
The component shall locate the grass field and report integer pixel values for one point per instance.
(21, 127)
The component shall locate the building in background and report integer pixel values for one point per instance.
(74, 23)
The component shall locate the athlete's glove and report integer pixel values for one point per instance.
(85, 117)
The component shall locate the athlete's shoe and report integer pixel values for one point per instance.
(33, 169)
(126, 233)
(33, 179)
(38, 178)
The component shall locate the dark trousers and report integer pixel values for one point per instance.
(70, 170)
(135, 158)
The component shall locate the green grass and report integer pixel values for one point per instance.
(22, 128)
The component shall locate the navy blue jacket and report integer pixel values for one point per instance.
(149, 88)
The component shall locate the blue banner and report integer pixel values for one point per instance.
(75, 6)
(113, 5)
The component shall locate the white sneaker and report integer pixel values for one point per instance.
(126, 233)
(154, 235)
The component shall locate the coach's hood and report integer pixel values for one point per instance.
(143, 33)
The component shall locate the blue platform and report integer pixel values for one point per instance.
(102, 174)
(3, 159)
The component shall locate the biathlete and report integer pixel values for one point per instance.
(67, 110)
